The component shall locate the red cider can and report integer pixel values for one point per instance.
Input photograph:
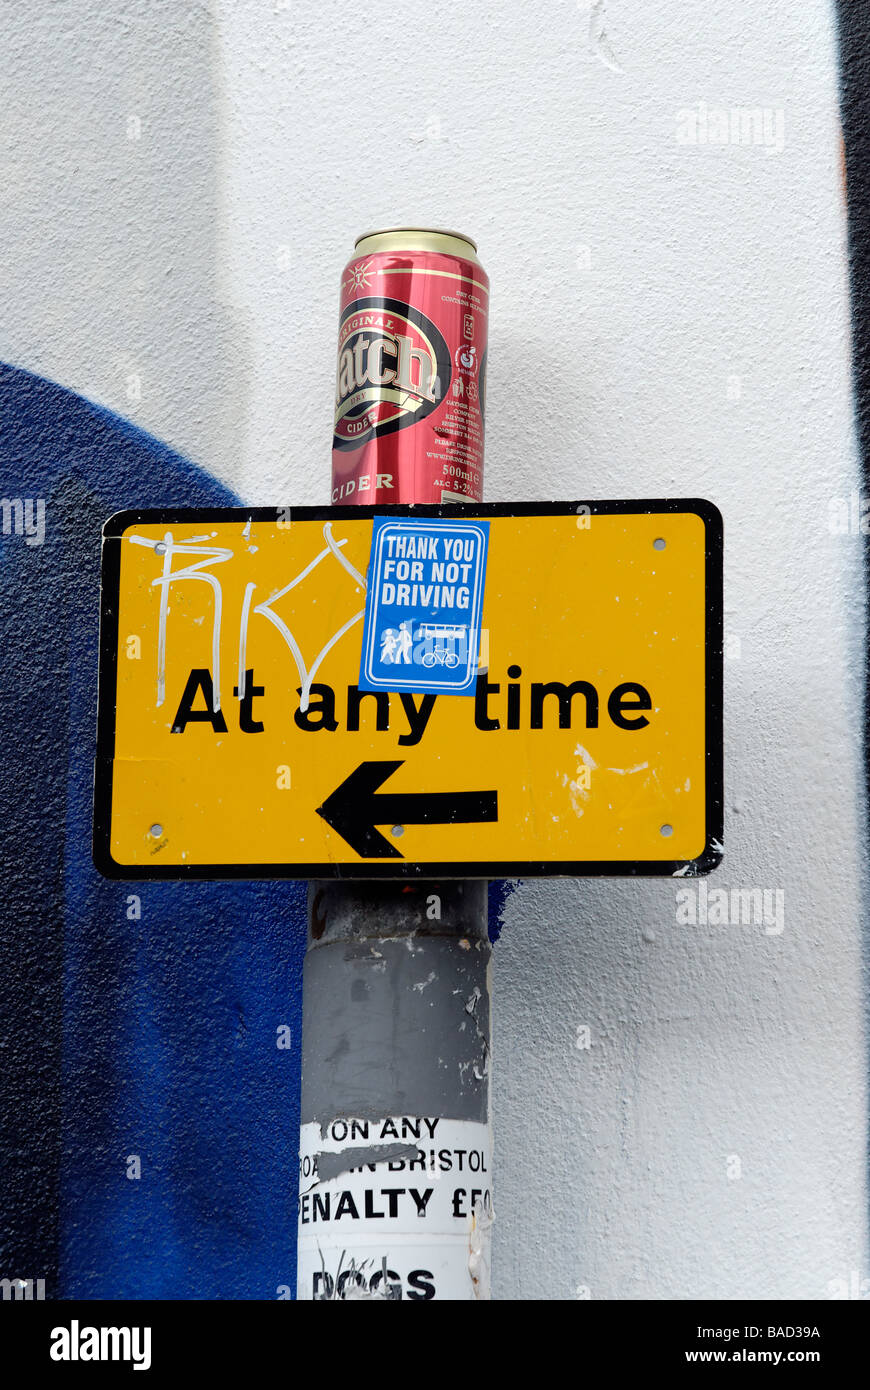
(410, 382)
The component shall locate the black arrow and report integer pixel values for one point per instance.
(353, 809)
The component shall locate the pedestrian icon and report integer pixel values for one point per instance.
(396, 644)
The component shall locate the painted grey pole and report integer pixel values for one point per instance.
(395, 1084)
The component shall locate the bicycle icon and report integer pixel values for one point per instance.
(442, 655)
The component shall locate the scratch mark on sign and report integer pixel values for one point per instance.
(579, 785)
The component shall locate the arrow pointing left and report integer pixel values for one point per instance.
(355, 808)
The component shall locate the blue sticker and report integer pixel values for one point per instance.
(424, 605)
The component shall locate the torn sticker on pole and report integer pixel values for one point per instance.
(411, 1196)
(424, 605)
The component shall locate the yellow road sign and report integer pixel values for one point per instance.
(235, 741)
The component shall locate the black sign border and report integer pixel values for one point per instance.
(403, 869)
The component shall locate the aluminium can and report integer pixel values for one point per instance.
(411, 371)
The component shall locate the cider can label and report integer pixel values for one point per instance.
(410, 378)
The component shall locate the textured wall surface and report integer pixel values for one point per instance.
(670, 317)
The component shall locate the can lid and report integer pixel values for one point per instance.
(427, 231)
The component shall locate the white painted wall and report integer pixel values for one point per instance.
(632, 276)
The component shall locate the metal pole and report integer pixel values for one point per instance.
(395, 1085)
